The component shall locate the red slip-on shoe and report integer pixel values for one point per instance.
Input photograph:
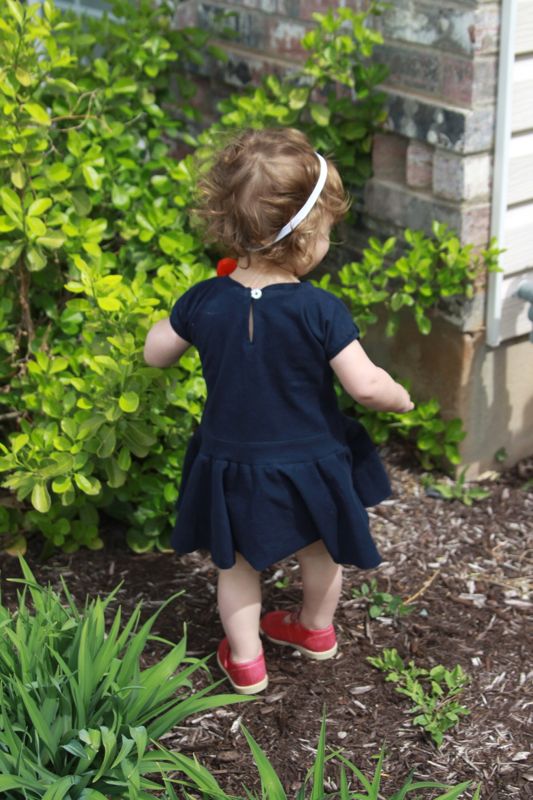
(246, 678)
(284, 627)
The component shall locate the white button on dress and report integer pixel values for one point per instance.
(257, 293)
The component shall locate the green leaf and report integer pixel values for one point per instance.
(52, 240)
(298, 98)
(20, 441)
(91, 177)
(116, 477)
(129, 402)
(270, 783)
(40, 498)
(36, 259)
(82, 202)
(11, 204)
(124, 86)
(38, 207)
(10, 255)
(109, 303)
(62, 485)
(16, 11)
(321, 114)
(36, 227)
(353, 131)
(88, 484)
(6, 225)
(18, 175)
(57, 173)
(120, 196)
(37, 113)
(60, 789)
(8, 782)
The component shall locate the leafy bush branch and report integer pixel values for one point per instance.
(429, 270)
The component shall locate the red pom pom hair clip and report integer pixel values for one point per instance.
(226, 266)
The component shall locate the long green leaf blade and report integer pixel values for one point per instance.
(270, 783)
(317, 791)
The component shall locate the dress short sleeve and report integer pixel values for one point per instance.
(337, 326)
(180, 317)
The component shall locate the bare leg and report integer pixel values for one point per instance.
(322, 583)
(239, 606)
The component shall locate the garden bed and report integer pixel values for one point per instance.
(468, 567)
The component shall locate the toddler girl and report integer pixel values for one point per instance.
(275, 469)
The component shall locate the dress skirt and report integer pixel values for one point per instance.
(266, 500)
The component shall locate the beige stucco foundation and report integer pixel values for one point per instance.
(491, 390)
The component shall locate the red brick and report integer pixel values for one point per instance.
(461, 178)
(469, 82)
(388, 157)
(411, 69)
(475, 225)
(485, 34)
(285, 36)
(245, 67)
(419, 169)
(186, 14)
(485, 80)
(457, 80)
(407, 208)
(308, 7)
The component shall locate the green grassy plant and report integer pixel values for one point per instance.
(77, 710)
(456, 490)
(381, 604)
(352, 783)
(432, 691)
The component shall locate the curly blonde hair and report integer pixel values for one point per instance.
(256, 184)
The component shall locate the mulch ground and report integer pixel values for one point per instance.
(470, 569)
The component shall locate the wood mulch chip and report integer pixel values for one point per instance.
(470, 569)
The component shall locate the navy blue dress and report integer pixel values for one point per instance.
(274, 465)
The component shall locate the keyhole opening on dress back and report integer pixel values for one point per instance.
(251, 323)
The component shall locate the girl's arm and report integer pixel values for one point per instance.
(163, 347)
(369, 385)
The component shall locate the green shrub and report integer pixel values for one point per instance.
(430, 270)
(78, 711)
(436, 440)
(95, 247)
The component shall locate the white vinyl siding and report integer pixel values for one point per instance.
(93, 8)
(508, 315)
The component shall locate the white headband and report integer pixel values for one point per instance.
(305, 209)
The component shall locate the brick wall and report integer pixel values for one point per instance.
(434, 158)
(434, 161)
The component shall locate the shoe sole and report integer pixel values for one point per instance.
(252, 689)
(315, 655)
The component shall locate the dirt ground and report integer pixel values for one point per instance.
(470, 569)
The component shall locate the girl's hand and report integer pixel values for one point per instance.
(405, 403)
